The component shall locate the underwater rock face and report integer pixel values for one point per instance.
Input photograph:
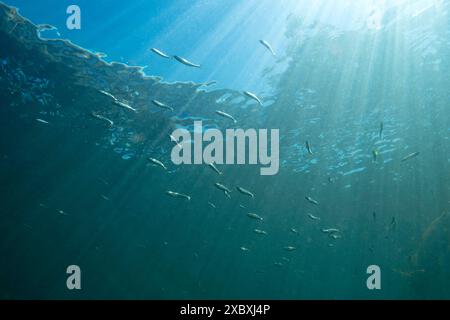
(67, 80)
(85, 167)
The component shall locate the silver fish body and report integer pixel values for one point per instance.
(222, 187)
(213, 167)
(103, 118)
(160, 53)
(245, 192)
(162, 105)
(254, 216)
(253, 96)
(313, 217)
(331, 230)
(124, 105)
(107, 94)
(268, 46)
(42, 121)
(308, 148)
(311, 200)
(226, 115)
(410, 156)
(157, 163)
(186, 62)
(178, 195)
(259, 231)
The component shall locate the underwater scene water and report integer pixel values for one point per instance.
(358, 91)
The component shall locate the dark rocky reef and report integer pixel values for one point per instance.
(60, 81)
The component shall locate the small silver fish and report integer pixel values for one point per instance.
(162, 105)
(410, 156)
(226, 115)
(100, 117)
(253, 96)
(186, 62)
(259, 231)
(62, 212)
(268, 46)
(107, 94)
(308, 147)
(42, 121)
(311, 200)
(124, 105)
(157, 163)
(278, 264)
(160, 53)
(178, 195)
(213, 166)
(380, 133)
(244, 249)
(290, 248)
(222, 187)
(245, 191)
(330, 230)
(105, 197)
(293, 230)
(212, 205)
(254, 216)
(313, 217)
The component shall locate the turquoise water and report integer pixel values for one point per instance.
(364, 82)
